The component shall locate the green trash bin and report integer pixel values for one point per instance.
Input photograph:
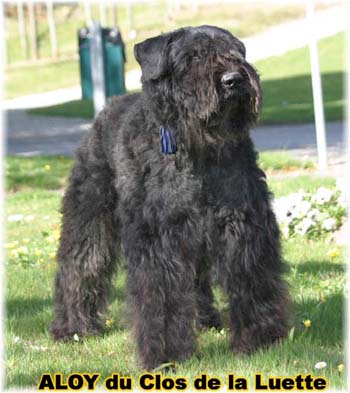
(113, 60)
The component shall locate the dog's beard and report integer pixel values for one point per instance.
(234, 109)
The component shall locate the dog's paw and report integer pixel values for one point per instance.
(250, 344)
(68, 334)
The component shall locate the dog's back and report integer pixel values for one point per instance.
(110, 121)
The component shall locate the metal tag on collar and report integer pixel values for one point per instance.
(167, 141)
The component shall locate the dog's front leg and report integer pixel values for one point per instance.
(161, 276)
(252, 268)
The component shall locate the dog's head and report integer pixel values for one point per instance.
(200, 72)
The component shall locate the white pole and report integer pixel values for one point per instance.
(316, 88)
(3, 34)
(87, 10)
(97, 68)
(103, 13)
(130, 17)
(52, 28)
(113, 13)
(33, 30)
(22, 29)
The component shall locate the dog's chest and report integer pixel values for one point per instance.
(171, 187)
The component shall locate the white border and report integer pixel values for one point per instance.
(2, 155)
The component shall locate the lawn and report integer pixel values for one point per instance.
(286, 84)
(147, 19)
(34, 190)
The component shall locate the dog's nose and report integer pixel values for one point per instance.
(231, 79)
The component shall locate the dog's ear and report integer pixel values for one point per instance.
(254, 82)
(257, 97)
(151, 54)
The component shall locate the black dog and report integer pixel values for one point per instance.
(169, 177)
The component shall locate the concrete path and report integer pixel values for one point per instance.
(295, 34)
(29, 135)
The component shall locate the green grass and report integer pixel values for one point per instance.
(316, 284)
(286, 84)
(148, 20)
(50, 173)
(36, 173)
(282, 160)
(76, 108)
(281, 185)
(34, 79)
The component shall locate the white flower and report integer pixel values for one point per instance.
(29, 218)
(296, 197)
(329, 224)
(301, 209)
(322, 196)
(320, 365)
(15, 217)
(281, 208)
(314, 213)
(304, 226)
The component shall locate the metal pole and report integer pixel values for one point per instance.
(4, 54)
(113, 13)
(33, 30)
(87, 11)
(52, 27)
(22, 29)
(97, 67)
(103, 13)
(316, 88)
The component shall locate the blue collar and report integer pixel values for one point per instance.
(167, 141)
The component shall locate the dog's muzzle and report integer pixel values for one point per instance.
(231, 80)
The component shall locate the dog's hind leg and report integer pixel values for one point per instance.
(88, 244)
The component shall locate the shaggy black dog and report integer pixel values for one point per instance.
(169, 178)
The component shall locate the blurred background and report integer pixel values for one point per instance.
(43, 69)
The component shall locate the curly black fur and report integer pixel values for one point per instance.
(174, 216)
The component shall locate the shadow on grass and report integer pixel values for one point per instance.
(44, 172)
(19, 306)
(289, 100)
(26, 317)
(326, 316)
(322, 267)
(326, 332)
(29, 315)
(327, 319)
